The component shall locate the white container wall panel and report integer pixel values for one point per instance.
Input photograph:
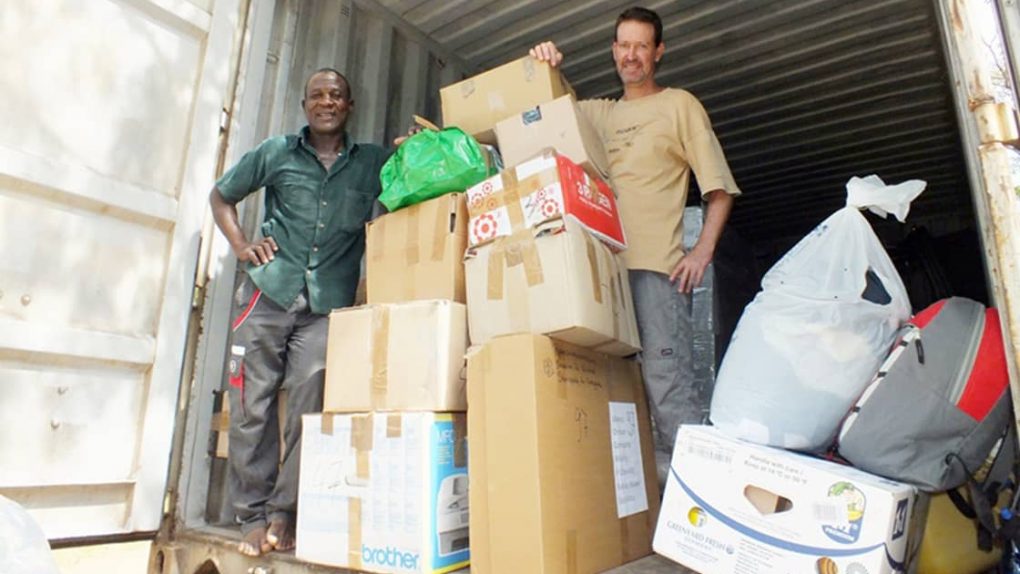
(66, 266)
(85, 96)
(73, 424)
(108, 140)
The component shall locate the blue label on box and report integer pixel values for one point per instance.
(449, 489)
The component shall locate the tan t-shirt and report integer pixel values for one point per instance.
(653, 143)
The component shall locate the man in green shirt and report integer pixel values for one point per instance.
(320, 189)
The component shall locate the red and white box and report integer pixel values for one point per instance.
(547, 186)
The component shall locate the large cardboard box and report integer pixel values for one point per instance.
(555, 280)
(384, 492)
(562, 466)
(477, 103)
(559, 124)
(732, 506)
(397, 356)
(418, 252)
(547, 186)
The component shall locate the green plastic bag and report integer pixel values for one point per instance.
(431, 163)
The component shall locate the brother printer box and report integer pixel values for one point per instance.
(384, 492)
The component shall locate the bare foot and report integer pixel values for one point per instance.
(281, 531)
(255, 542)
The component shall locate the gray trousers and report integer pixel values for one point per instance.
(271, 348)
(666, 329)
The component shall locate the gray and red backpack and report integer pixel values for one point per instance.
(939, 410)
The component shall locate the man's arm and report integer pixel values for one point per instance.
(691, 268)
(225, 215)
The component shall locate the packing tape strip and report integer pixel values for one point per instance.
(532, 261)
(460, 440)
(494, 289)
(510, 196)
(412, 247)
(528, 64)
(593, 267)
(380, 350)
(514, 210)
(480, 205)
(625, 539)
(361, 441)
(364, 464)
(521, 249)
(554, 372)
(616, 307)
(571, 552)
(377, 232)
(354, 533)
(394, 426)
(326, 425)
(442, 228)
(361, 432)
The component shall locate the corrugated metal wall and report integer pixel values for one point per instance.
(804, 94)
(394, 70)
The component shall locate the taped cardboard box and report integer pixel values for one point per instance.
(417, 252)
(547, 186)
(477, 103)
(559, 124)
(562, 466)
(555, 280)
(396, 356)
(732, 506)
(384, 492)
(221, 423)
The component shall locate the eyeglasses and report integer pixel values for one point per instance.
(634, 46)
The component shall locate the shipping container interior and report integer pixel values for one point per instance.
(803, 94)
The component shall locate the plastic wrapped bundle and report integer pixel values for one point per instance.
(703, 311)
(827, 314)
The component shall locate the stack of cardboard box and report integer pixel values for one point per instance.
(384, 484)
(561, 463)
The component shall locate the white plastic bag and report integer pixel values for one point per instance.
(23, 546)
(815, 334)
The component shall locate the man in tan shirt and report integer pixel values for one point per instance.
(654, 138)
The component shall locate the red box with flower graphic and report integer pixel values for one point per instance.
(547, 186)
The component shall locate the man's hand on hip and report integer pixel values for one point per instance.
(259, 252)
(691, 269)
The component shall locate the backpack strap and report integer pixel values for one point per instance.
(978, 509)
(983, 495)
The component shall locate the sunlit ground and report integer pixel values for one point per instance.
(123, 558)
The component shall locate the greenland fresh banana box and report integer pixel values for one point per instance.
(732, 507)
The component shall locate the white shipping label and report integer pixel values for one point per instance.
(628, 469)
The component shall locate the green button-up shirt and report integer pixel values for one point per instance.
(316, 217)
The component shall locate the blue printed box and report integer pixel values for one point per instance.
(384, 492)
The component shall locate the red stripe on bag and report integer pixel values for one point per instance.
(988, 379)
(247, 310)
(924, 317)
(238, 380)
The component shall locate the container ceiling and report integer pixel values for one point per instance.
(803, 94)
